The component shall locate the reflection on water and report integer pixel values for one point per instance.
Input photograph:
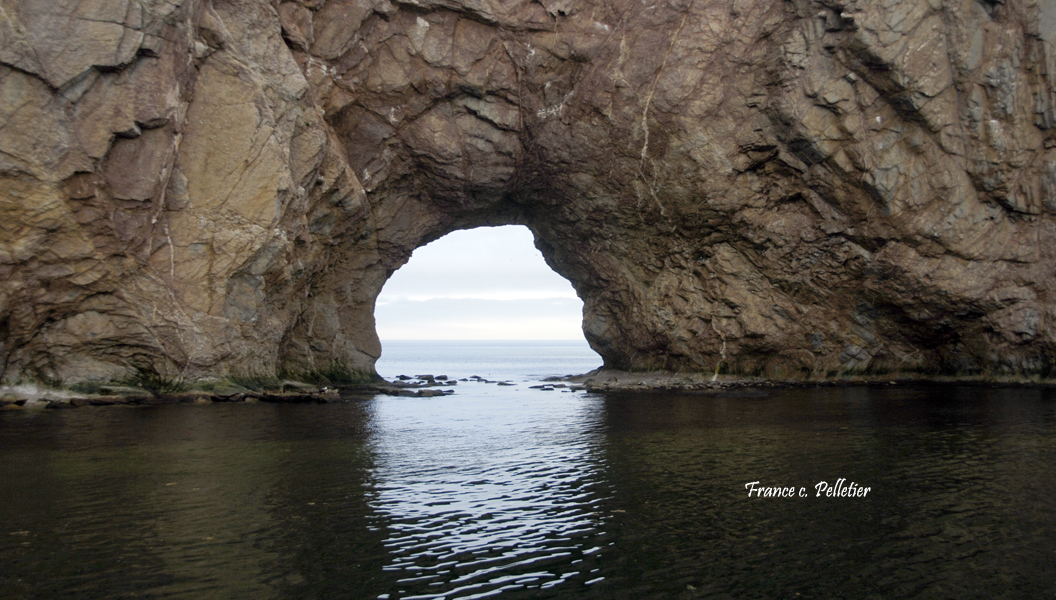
(500, 497)
(521, 493)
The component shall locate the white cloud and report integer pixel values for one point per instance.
(481, 284)
(495, 263)
(481, 294)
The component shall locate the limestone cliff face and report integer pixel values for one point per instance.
(195, 187)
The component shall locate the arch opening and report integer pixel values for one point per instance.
(474, 285)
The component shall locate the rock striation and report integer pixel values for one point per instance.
(192, 188)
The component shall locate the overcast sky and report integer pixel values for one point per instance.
(488, 283)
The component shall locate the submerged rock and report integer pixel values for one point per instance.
(764, 187)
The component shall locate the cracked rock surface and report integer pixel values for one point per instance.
(781, 187)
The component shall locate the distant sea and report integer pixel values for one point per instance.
(520, 360)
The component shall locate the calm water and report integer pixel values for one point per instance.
(518, 493)
(515, 361)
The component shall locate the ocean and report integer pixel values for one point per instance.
(520, 360)
(519, 492)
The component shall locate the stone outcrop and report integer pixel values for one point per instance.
(786, 187)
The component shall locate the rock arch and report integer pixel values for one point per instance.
(788, 188)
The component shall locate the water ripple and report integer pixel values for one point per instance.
(508, 517)
(525, 494)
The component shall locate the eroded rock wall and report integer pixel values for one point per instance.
(788, 187)
(159, 161)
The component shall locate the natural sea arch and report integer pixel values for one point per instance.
(777, 188)
(741, 186)
(338, 322)
(786, 188)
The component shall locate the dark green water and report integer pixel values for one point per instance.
(521, 493)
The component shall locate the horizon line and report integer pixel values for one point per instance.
(483, 340)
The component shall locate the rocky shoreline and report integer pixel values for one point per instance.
(31, 396)
(286, 392)
(612, 380)
(602, 380)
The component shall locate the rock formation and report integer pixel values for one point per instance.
(787, 187)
